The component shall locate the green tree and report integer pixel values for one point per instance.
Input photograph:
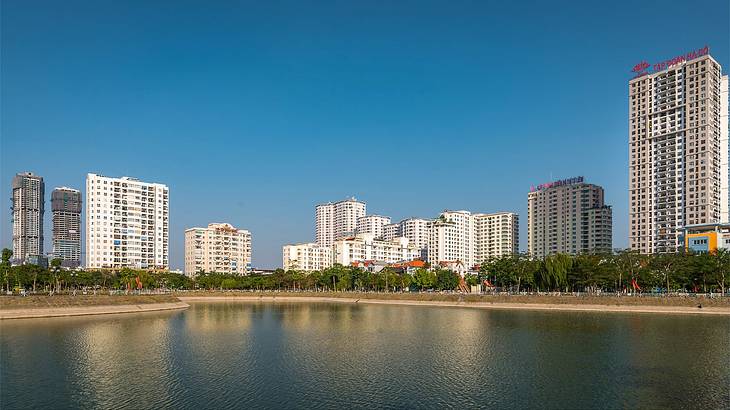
(628, 262)
(424, 278)
(56, 271)
(663, 267)
(554, 272)
(297, 277)
(501, 270)
(5, 267)
(472, 279)
(703, 268)
(229, 283)
(337, 276)
(446, 279)
(405, 281)
(526, 269)
(721, 260)
(590, 271)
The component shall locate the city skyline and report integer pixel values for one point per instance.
(438, 93)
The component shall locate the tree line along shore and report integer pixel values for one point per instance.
(623, 272)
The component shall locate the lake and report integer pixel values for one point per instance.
(322, 355)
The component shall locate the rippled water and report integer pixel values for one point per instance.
(244, 355)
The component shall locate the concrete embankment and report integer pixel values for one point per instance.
(16, 307)
(578, 307)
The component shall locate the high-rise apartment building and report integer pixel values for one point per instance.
(219, 248)
(568, 216)
(372, 224)
(28, 206)
(391, 231)
(724, 143)
(416, 230)
(497, 234)
(451, 238)
(462, 236)
(306, 257)
(127, 223)
(337, 220)
(455, 238)
(66, 209)
(678, 150)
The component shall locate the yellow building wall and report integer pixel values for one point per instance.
(711, 240)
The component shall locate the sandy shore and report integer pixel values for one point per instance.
(479, 305)
(87, 310)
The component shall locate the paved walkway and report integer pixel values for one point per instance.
(88, 310)
(479, 305)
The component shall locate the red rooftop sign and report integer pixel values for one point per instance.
(642, 68)
(569, 181)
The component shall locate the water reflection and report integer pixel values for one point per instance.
(233, 355)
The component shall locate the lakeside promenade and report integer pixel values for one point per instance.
(37, 306)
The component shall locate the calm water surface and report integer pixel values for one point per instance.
(247, 355)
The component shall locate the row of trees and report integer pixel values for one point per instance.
(56, 279)
(337, 278)
(623, 271)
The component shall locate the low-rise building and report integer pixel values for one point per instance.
(306, 257)
(706, 238)
(409, 267)
(218, 248)
(366, 247)
(370, 266)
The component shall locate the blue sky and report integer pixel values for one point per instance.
(253, 112)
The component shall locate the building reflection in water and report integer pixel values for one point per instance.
(283, 355)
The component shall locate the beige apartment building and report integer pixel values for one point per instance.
(496, 234)
(678, 149)
(218, 248)
(568, 216)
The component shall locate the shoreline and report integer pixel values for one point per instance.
(721, 311)
(67, 306)
(35, 313)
